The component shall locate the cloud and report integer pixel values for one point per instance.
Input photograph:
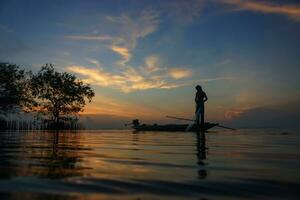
(232, 114)
(132, 75)
(152, 74)
(152, 64)
(95, 62)
(130, 79)
(143, 26)
(127, 30)
(291, 11)
(126, 81)
(82, 37)
(124, 52)
(180, 73)
(95, 75)
(148, 76)
(217, 79)
(154, 67)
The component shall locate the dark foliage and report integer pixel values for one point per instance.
(58, 95)
(13, 88)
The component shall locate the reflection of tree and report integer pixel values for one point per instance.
(7, 145)
(44, 154)
(201, 154)
(38, 196)
(62, 160)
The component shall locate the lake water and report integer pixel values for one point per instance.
(243, 164)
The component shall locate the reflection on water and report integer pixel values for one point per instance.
(149, 165)
(43, 155)
(201, 153)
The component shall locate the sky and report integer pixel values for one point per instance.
(144, 58)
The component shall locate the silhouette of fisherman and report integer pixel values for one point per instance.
(200, 98)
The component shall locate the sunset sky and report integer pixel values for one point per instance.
(144, 58)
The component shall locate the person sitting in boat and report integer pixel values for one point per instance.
(200, 99)
(135, 122)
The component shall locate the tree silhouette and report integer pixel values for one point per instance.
(13, 88)
(58, 95)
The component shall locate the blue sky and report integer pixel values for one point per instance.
(143, 58)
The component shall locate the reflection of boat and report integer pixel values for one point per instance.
(173, 127)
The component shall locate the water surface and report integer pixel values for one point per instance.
(243, 164)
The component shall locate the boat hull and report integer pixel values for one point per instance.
(174, 127)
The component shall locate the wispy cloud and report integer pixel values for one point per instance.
(82, 37)
(149, 76)
(129, 29)
(124, 52)
(95, 62)
(152, 64)
(132, 28)
(222, 78)
(291, 11)
(152, 74)
(126, 81)
(130, 79)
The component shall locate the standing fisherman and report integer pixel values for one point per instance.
(200, 99)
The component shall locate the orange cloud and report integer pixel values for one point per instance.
(128, 29)
(180, 73)
(124, 52)
(231, 114)
(127, 80)
(291, 11)
(152, 64)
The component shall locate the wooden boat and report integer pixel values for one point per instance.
(173, 127)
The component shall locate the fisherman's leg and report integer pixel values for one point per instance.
(197, 115)
(202, 115)
(197, 119)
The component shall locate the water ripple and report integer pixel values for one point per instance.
(124, 165)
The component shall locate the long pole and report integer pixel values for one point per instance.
(185, 119)
(180, 118)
